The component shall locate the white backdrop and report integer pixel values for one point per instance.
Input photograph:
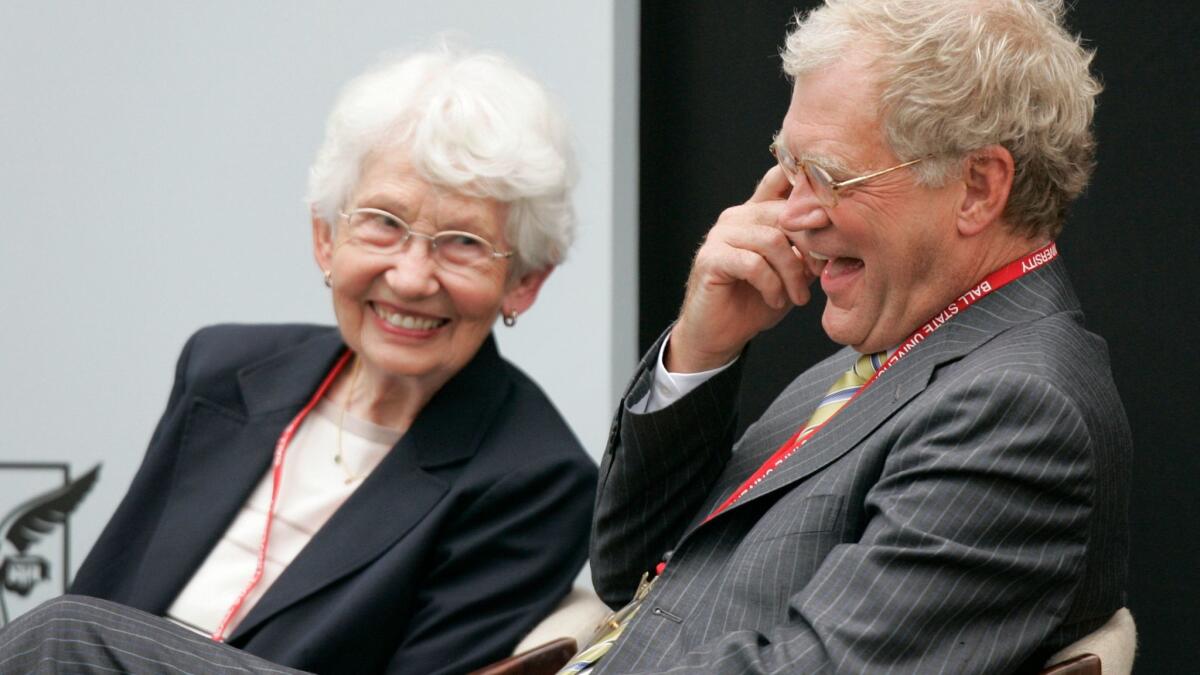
(153, 158)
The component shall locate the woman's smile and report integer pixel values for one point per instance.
(410, 322)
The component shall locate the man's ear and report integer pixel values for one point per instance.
(521, 294)
(987, 177)
(322, 234)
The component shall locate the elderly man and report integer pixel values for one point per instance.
(947, 493)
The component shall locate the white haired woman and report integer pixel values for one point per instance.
(390, 494)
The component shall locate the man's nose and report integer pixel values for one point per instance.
(802, 211)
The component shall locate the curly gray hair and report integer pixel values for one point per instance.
(957, 75)
(470, 122)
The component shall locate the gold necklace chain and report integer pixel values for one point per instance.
(338, 457)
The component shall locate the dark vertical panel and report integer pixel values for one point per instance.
(712, 94)
(1132, 248)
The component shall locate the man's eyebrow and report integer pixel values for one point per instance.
(831, 164)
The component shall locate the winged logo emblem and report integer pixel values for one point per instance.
(28, 524)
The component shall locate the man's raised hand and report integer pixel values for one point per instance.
(744, 278)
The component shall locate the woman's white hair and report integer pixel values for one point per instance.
(958, 75)
(469, 122)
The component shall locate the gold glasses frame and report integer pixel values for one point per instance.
(823, 185)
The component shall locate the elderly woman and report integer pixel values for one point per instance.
(390, 494)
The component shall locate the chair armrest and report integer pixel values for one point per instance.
(544, 660)
(1114, 644)
(1084, 664)
(576, 616)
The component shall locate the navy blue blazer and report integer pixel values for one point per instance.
(464, 536)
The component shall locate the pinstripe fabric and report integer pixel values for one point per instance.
(966, 514)
(76, 634)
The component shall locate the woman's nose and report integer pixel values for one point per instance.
(802, 211)
(413, 270)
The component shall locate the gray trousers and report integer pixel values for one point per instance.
(76, 634)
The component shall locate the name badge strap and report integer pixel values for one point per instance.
(281, 447)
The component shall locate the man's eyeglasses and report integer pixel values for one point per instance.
(823, 186)
(381, 232)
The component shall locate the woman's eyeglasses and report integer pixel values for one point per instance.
(381, 232)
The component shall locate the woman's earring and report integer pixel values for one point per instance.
(510, 318)
(328, 279)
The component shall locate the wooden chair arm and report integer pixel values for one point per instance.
(1084, 664)
(543, 660)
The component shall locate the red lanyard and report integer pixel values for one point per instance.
(276, 478)
(1001, 277)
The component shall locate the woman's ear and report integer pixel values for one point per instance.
(322, 234)
(521, 295)
(987, 177)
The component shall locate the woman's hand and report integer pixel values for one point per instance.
(745, 278)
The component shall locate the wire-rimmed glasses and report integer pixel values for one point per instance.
(823, 186)
(378, 231)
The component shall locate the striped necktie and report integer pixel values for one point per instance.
(844, 388)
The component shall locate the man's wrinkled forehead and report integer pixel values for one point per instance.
(832, 118)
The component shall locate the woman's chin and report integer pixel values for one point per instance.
(408, 364)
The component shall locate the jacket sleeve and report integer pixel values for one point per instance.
(656, 475)
(500, 568)
(971, 555)
(111, 565)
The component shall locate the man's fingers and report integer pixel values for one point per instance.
(775, 249)
(774, 185)
(765, 214)
(753, 269)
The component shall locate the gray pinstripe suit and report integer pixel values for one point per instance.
(967, 514)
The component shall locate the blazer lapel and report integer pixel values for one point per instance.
(448, 430)
(225, 450)
(1033, 296)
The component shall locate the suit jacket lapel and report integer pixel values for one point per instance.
(448, 430)
(1035, 295)
(224, 451)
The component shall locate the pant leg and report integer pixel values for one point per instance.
(77, 634)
